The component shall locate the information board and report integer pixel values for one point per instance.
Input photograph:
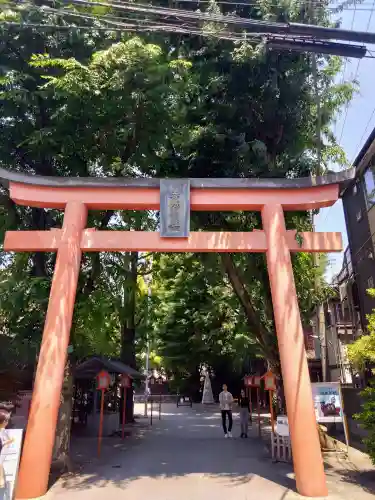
(10, 459)
(327, 402)
(282, 426)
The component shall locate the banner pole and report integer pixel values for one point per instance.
(251, 404)
(124, 414)
(344, 419)
(271, 410)
(101, 423)
(258, 405)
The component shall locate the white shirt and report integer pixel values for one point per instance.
(225, 400)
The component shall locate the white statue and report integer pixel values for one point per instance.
(207, 397)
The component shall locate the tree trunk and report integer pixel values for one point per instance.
(62, 440)
(266, 340)
(128, 331)
(128, 357)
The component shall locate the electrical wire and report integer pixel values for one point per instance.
(264, 33)
(353, 261)
(118, 23)
(184, 14)
(343, 75)
(300, 3)
(321, 3)
(130, 28)
(367, 125)
(356, 71)
(152, 25)
(373, 111)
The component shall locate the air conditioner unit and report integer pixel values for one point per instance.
(343, 292)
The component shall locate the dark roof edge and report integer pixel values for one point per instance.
(370, 139)
(360, 163)
(342, 178)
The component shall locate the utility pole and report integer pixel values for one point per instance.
(148, 281)
(320, 316)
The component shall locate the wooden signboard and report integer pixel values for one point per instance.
(270, 386)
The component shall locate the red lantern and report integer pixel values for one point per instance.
(103, 380)
(125, 381)
(248, 381)
(269, 381)
(256, 381)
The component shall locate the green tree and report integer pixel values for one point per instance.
(362, 355)
(168, 106)
(197, 319)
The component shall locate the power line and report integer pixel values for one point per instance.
(353, 260)
(373, 111)
(300, 3)
(367, 125)
(252, 25)
(120, 25)
(357, 69)
(302, 42)
(129, 27)
(285, 42)
(343, 77)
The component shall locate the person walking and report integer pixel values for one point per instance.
(244, 404)
(226, 402)
(5, 440)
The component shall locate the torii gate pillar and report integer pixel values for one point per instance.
(307, 458)
(41, 426)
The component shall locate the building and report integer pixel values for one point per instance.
(342, 319)
(358, 272)
(326, 342)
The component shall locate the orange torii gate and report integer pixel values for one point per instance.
(174, 198)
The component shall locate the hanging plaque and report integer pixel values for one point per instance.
(174, 208)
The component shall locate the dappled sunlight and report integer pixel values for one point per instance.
(183, 452)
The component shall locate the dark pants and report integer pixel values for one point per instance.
(224, 414)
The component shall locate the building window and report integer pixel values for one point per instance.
(359, 215)
(370, 186)
(370, 282)
(339, 317)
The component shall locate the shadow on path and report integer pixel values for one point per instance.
(184, 457)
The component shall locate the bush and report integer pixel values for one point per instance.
(367, 419)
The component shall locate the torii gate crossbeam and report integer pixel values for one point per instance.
(77, 196)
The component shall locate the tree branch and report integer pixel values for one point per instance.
(255, 325)
(11, 207)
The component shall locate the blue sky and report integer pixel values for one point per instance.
(354, 133)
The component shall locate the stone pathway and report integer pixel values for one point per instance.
(185, 457)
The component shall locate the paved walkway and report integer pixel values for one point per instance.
(185, 457)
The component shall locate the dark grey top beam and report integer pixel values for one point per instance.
(342, 178)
